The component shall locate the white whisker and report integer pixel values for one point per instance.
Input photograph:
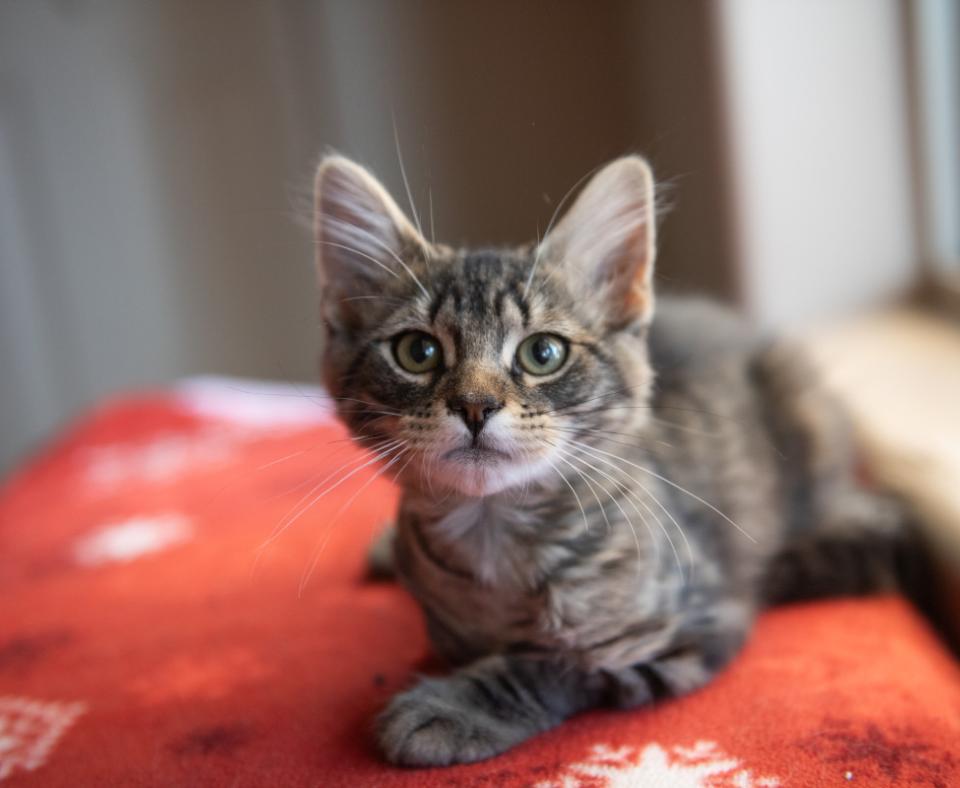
(681, 488)
(301, 507)
(364, 255)
(553, 219)
(604, 433)
(328, 531)
(399, 260)
(636, 539)
(379, 264)
(403, 174)
(590, 450)
(603, 512)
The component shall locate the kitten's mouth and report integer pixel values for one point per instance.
(480, 455)
(480, 469)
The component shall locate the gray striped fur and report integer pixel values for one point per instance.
(677, 475)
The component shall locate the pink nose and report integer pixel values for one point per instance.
(474, 409)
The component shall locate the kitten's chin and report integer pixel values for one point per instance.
(478, 474)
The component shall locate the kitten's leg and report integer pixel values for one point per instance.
(679, 671)
(482, 710)
(500, 701)
(380, 556)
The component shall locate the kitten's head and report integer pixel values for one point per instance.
(479, 370)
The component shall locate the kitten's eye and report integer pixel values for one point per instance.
(541, 354)
(417, 352)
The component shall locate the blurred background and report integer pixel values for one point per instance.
(155, 162)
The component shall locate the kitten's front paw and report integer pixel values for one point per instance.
(430, 725)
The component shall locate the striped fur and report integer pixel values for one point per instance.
(609, 535)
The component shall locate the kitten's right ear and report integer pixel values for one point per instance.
(361, 237)
(607, 241)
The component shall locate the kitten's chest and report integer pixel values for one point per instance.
(483, 593)
(466, 617)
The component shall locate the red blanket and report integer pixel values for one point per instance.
(180, 606)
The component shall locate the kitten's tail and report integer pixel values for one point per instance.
(877, 546)
(864, 541)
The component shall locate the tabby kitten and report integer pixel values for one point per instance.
(596, 502)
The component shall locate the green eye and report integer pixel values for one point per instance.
(417, 352)
(541, 354)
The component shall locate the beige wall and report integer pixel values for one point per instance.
(816, 102)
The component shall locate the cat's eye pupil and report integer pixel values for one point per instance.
(422, 349)
(544, 350)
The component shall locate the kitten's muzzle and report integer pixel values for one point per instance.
(475, 410)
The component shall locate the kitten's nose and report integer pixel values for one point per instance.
(474, 409)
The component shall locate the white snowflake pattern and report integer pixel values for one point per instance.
(162, 459)
(255, 404)
(704, 765)
(29, 729)
(130, 539)
(234, 412)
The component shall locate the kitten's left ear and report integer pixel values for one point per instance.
(606, 241)
(363, 240)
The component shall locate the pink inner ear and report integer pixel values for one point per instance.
(627, 277)
(639, 302)
(605, 239)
